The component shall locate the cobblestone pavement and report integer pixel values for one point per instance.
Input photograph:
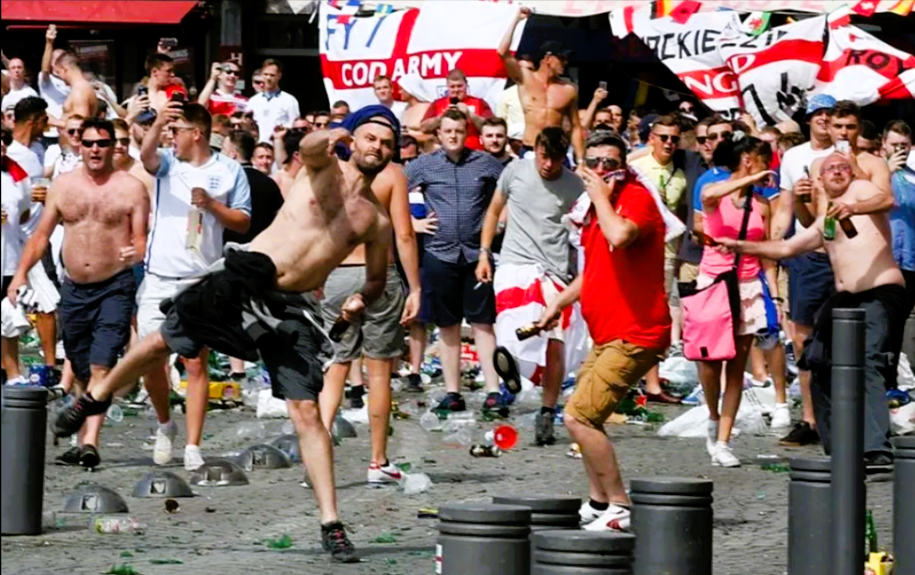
(222, 531)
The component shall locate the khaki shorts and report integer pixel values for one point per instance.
(605, 378)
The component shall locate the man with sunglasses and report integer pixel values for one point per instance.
(621, 289)
(104, 213)
(64, 157)
(219, 95)
(538, 192)
(659, 167)
(546, 97)
(200, 194)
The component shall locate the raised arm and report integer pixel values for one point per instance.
(316, 150)
(806, 241)
(712, 193)
(578, 134)
(600, 95)
(618, 231)
(49, 38)
(149, 151)
(208, 88)
(514, 71)
(867, 199)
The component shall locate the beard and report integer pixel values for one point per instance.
(370, 169)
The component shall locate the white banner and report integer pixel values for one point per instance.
(418, 46)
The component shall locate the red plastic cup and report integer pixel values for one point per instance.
(505, 437)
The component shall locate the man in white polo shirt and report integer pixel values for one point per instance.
(19, 89)
(272, 107)
(199, 193)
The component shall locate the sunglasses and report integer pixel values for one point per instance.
(606, 163)
(665, 137)
(713, 137)
(102, 143)
(123, 141)
(257, 82)
(176, 129)
(73, 131)
(230, 72)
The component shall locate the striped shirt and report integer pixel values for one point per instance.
(459, 193)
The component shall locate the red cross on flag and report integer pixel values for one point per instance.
(418, 46)
(865, 8)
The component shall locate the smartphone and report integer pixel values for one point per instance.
(454, 101)
(142, 91)
(168, 42)
(179, 97)
(842, 146)
(602, 85)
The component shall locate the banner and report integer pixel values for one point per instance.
(777, 69)
(690, 50)
(419, 46)
(594, 7)
(861, 68)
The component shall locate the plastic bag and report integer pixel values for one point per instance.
(905, 379)
(679, 371)
(902, 419)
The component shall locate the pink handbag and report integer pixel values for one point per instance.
(711, 315)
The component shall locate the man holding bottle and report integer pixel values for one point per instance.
(201, 193)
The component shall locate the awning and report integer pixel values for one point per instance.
(97, 11)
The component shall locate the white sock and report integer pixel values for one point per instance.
(781, 406)
(192, 449)
(166, 426)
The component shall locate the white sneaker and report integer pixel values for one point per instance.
(165, 438)
(588, 513)
(379, 475)
(615, 518)
(781, 416)
(712, 438)
(193, 459)
(724, 456)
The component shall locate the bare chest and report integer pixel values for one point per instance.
(93, 206)
(534, 94)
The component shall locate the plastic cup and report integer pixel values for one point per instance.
(505, 437)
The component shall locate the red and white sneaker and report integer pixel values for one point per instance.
(615, 518)
(380, 475)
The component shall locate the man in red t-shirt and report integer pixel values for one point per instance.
(624, 303)
(476, 109)
(219, 95)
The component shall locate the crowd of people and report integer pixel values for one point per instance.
(180, 222)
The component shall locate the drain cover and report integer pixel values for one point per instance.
(219, 472)
(94, 498)
(263, 457)
(162, 484)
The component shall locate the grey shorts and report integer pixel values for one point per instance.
(378, 335)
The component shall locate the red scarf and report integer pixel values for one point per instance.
(8, 165)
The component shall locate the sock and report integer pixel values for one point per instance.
(547, 411)
(598, 505)
(166, 426)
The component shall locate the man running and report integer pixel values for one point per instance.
(379, 335)
(546, 98)
(261, 300)
(877, 287)
(104, 214)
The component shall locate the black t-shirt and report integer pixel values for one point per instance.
(266, 201)
(693, 166)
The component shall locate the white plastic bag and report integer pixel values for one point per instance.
(902, 419)
(679, 371)
(905, 379)
(414, 483)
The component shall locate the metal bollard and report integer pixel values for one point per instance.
(25, 419)
(848, 495)
(809, 514)
(547, 513)
(568, 552)
(904, 504)
(672, 522)
(483, 539)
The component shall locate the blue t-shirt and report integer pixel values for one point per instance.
(715, 175)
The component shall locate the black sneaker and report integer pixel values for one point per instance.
(72, 418)
(544, 432)
(414, 383)
(802, 434)
(451, 402)
(507, 368)
(878, 462)
(68, 457)
(355, 397)
(495, 404)
(89, 457)
(335, 541)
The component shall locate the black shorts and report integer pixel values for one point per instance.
(454, 294)
(810, 284)
(216, 313)
(95, 321)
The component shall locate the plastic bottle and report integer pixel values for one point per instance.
(430, 422)
(115, 414)
(118, 525)
(460, 438)
(870, 533)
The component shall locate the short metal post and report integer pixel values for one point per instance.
(848, 495)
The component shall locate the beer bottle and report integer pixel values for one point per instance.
(338, 329)
(829, 227)
(528, 331)
(870, 532)
(848, 227)
(805, 198)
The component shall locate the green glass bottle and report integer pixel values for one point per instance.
(829, 227)
(870, 532)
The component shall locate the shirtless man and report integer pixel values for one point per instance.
(330, 210)
(105, 214)
(546, 98)
(844, 128)
(877, 287)
(379, 337)
(161, 71)
(293, 163)
(82, 99)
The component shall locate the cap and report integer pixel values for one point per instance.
(820, 102)
(646, 124)
(555, 48)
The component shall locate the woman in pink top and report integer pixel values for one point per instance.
(723, 204)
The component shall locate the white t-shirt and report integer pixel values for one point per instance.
(31, 159)
(278, 109)
(60, 162)
(55, 92)
(16, 199)
(793, 163)
(13, 96)
(224, 180)
(398, 108)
